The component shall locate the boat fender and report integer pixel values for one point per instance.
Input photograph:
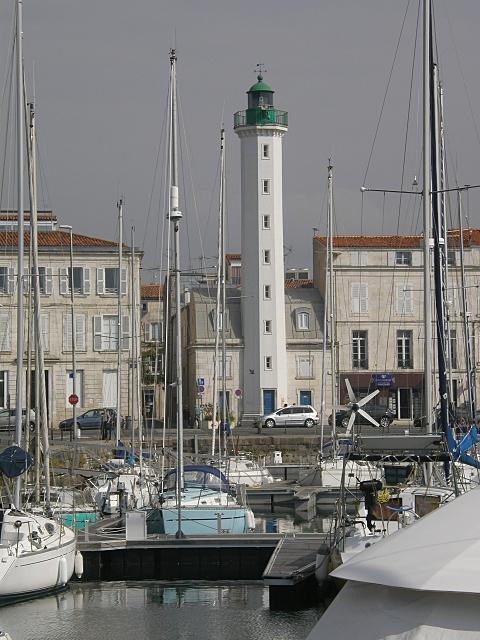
(250, 520)
(62, 571)
(78, 565)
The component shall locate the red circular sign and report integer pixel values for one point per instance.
(73, 398)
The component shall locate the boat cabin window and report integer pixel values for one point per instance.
(396, 475)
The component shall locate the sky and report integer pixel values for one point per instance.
(100, 69)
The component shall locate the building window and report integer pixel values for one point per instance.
(265, 222)
(144, 307)
(359, 349)
(107, 281)
(268, 363)
(105, 333)
(45, 321)
(228, 367)
(452, 258)
(5, 342)
(303, 321)
(265, 151)
(305, 367)
(403, 258)
(78, 388)
(404, 300)
(78, 279)
(153, 333)
(267, 292)
(44, 280)
(265, 187)
(266, 256)
(154, 364)
(453, 349)
(80, 330)
(3, 389)
(6, 280)
(267, 326)
(359, 297)
(404, 350)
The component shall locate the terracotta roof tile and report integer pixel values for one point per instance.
(150, 291)
(55, 239)
(471, 237)
(298, 284)
(233, 256)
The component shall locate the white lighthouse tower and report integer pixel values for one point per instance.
(261, 128)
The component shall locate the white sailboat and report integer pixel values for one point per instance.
(37, 554)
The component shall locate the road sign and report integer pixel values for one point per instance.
(200, 382)
(200, 388)
(73, 398)
(238, 393)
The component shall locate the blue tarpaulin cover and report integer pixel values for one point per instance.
(14, 461)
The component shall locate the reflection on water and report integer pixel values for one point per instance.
(291, 521)
(154, 610)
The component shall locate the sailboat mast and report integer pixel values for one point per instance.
(20, 260)
(225, 407)
(218, 318)
(427, 220)
(134, 339)
(175, 216)
(35, 278)
(119, 320)
(331, 306)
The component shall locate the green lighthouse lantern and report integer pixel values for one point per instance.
(261, 111)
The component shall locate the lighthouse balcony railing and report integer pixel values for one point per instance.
(260, 117)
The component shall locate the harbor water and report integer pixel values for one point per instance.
(151, 610)
(154, 610)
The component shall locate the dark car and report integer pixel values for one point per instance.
(89, 421)
(382, 414)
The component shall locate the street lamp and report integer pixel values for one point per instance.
(75, 433)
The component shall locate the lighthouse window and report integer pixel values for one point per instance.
(267, 326)
(266, 256)
(266, 222)
(265, 187)
(267, 292)
(268, 363)
(266, 151)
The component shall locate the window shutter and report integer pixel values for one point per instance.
(123, 282)
(67, 332)
(86, 280)
(391, 258)
(403, 300)
(363, 297)
(125, 332)
(5, 333)
(97, 330)
(63, 281)
(48, 281)
(408, 305)
(45, 332)
(100, 281)
(355, 288)
(26, 279)
(80, 332)
(11, 280)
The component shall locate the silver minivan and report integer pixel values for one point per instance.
(292, 416)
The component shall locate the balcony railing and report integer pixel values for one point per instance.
(260, 116)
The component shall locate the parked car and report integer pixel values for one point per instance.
(7, 419)
(88, 421)
(292, 416)
(382, 414)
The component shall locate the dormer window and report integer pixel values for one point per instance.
(302, 320)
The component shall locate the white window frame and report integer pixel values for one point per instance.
(305, 367)
(100, 337)
(267, 256)
(403, 258)
(101, 289)
(5, 333)
(45, 274)
(228, 367)
(268, 363)
(404, 300)
(265, 186)
(266, 221)
(267, 327)
(80, 332)
(265, 151)
(4, 375)
(79, 387)
(359, 297)
(302, 320)
(267, 291)
(9, 280)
